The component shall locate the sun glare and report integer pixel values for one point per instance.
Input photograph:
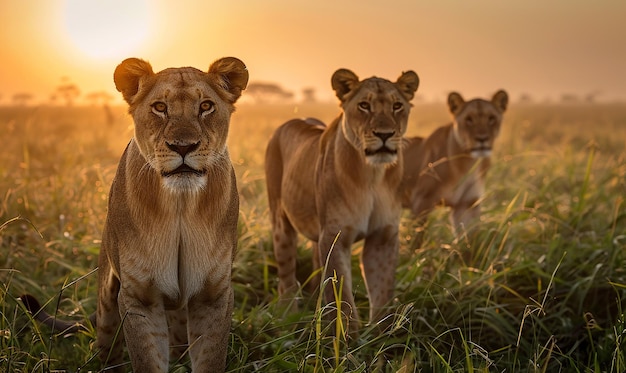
(107, 28)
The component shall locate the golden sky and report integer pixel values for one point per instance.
(537, 47)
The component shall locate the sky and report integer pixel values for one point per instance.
(539, 48)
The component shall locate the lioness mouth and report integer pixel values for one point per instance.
(182, 169)
(382, 149)
(480, 148)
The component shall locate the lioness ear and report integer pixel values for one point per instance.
(128, 74)
(408, 83)
(343, 81)
(233, 73)
(500, 99)
(455, 101)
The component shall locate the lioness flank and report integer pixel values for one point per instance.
(339, 184)
(171, 230)
(449, 167)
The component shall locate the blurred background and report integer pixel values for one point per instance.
(542, 51)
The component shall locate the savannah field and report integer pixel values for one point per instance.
(544, 290)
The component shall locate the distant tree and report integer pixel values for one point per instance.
(53, 99)
(99, 98)
(22, 99)
(568, 98)
(102, 98)
(525, 98)
(267, 92)
(308, 95)
(68, 91)
(592, 96)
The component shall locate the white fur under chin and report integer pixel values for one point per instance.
(185, 183)
(381, 159)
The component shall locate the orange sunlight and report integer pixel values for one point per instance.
(542, 50)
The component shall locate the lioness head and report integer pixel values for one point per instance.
(477, 122)
(375, 113)
(181, 116)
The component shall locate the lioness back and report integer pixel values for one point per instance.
(338, 184)
(449, 167)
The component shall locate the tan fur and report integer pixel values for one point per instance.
(164, 280)
(170, 237)
(334, 181)
(449, 167)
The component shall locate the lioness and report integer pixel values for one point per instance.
(341, 183)
(449, 167)
(170, 233)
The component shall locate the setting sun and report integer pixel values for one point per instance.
(107, 29)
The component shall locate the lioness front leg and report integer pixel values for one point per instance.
(177, 324)
(464, 216)
(145, 328)
(337, 254)
(315, 279)
(209, 321)
(109, 333)
(378, 267)
(421, 208)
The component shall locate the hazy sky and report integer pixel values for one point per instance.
(542, 48)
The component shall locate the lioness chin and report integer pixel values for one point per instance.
(339, 184)
(449, 167)
(164, 276)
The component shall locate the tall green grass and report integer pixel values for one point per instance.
(542, 291)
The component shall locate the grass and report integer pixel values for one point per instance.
(543, 291)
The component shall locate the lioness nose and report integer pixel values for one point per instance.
(383, 135)
(183, 149)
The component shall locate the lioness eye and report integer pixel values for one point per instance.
(469, 121)
(492, 120)
(206, 107)
(364, 105)
(159, 107)
(397, 106)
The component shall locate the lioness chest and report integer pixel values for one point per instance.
(383, 209)
(176, 256)
(364, 207)
(176, 251)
